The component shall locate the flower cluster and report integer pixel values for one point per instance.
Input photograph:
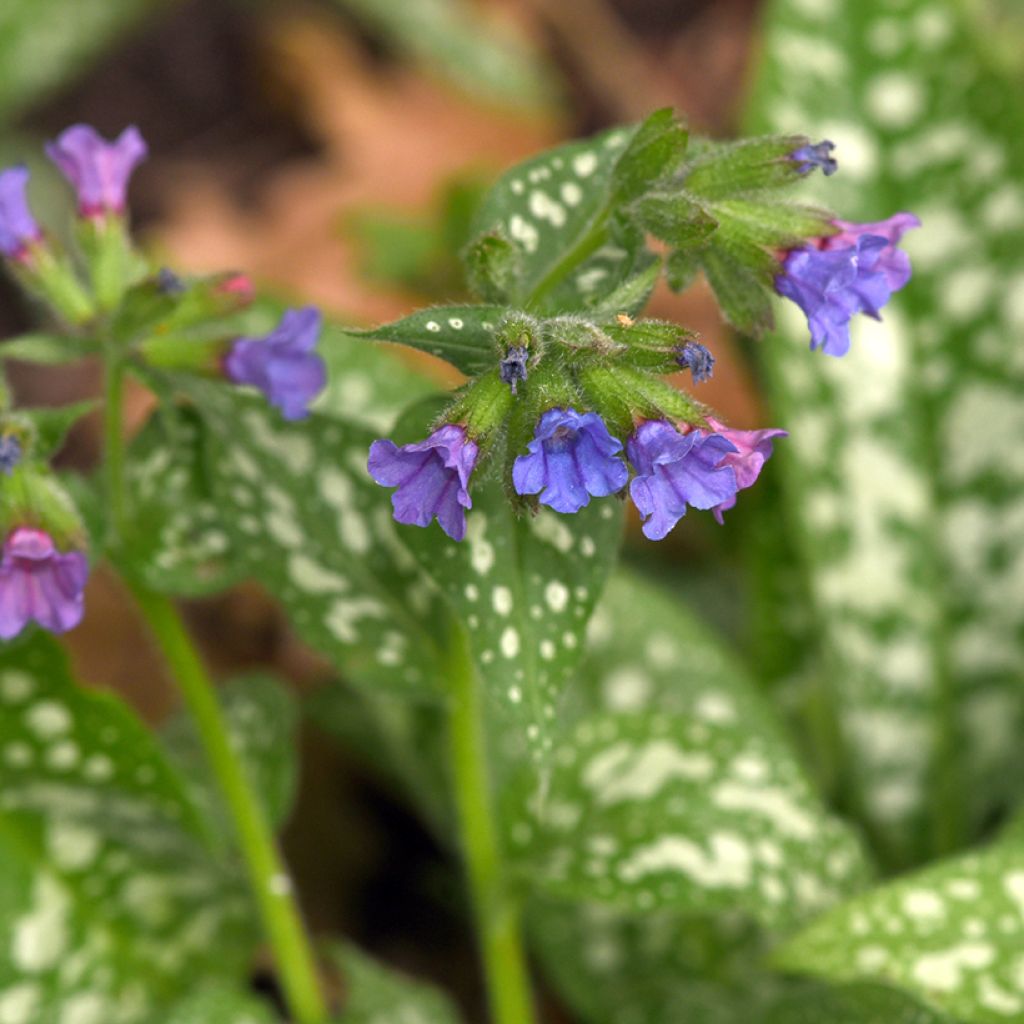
(156, 318)
(573, 458)
(603, 423)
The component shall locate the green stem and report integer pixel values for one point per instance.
(267, 874)
(269, 880)
(497, 911)
(113, 437)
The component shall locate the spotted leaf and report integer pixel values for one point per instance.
(181, 545)
(221, 1005)
(912, 537)
(950, 934)
(375, 994)
(698, 806)
(524, 587)
(555, 207)
(309, 523)
(461, 335)
(110, 892)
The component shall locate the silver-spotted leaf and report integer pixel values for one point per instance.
(309, 523)
(181, 545)
(673, 786)
(524, 586)
(110, 889)
(951, 934)
(461, 335)
(912, 536)
(555, 207)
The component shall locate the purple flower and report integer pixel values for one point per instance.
(18, 228)
(572, 458)
(674, 470)
(432, 478)
(282, 364)
(97, 170)
(753, 449)
(818, 155)
(10, 453)
(39, 582)
(855, 271)
(698, 360)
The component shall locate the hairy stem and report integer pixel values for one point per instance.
(268, 877)
(497, 911)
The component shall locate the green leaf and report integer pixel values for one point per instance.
(308, 523)
(555, 207)
(367, 384)
(656, 968)
(743, 168)
(909, 538)
(672, 783)
(853, 1004)
(524, 587)
(109, 890)
(950, 934)
(221, 1005)
(261, 717)
(182, 544)
(493, 268)
(43, 43)
(51, 425)
(375, 994)
(674, 217)
(739, 289)
(462, 335)
(455, 38)
(48, 349)
(656, 151)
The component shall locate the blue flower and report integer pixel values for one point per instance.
(18, 228)
(432, 478)
(854, 271)
(674, 470)
(818, 155)
(572, 458)
(282, 364)
(10, 453)
(98, 170)
(698, 360)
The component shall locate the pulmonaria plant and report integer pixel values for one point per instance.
(572, 400)
(585, 412)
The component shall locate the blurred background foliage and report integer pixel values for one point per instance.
(873, 583)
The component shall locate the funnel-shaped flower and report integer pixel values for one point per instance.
(674, 470)
(753, 449)
(98, 170)
(855, 271)
(39, 583)
(282, 364)
(432, 478)
(572, 458)
(18, 228)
